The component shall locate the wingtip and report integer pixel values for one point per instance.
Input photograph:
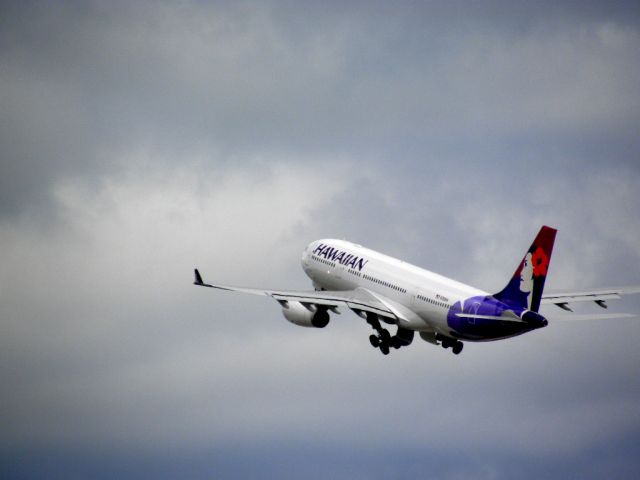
(198, 277)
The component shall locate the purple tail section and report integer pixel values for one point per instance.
(524, 290)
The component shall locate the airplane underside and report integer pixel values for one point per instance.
(490, 332)
(479, 332)
(384, 341)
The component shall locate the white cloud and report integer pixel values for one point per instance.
(115, 273)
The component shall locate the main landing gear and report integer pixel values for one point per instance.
(383, 340)
(456, 345)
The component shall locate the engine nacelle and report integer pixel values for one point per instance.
(304, 316)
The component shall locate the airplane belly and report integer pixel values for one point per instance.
(434, 321)
(488, 332)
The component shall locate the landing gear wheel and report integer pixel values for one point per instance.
(384, 348)
(457, 348)
(385, 336)
(375, 341)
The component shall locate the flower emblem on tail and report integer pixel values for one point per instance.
(540, 262)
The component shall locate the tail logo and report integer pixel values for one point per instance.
(525, 288)
(540, 262)
(526, 277)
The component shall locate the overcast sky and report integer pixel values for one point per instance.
(141, 139)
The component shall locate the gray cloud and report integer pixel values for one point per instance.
(140, 141)
(83, 86)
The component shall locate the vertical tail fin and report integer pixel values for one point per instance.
(524, 290)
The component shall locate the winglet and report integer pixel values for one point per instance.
(198, 279)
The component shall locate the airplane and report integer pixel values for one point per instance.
(385, 291)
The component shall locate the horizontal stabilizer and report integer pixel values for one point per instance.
(595, 316)
(599, 296)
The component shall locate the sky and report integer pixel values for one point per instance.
(141, 139)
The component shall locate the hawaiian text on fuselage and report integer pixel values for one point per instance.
(340, 256)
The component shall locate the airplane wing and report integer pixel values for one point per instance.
(599, 296)
(358, 300)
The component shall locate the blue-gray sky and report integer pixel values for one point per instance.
(139, 140)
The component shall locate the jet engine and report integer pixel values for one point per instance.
(305, 316)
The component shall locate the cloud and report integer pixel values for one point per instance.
(113, 278)
(86, 86)
(140, 141)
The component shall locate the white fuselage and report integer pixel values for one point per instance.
(340, 265)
